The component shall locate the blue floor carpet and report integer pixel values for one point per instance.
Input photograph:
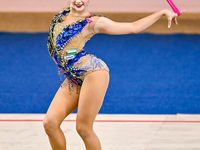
(149, 74)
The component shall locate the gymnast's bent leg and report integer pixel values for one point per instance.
(90, 101)
(62, 105)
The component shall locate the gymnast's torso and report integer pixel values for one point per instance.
(66, 40)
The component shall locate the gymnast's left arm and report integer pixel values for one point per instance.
(107, 26)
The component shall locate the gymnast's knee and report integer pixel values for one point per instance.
(83, 130)
(49, 125)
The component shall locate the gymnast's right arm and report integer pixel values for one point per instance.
(107, 26)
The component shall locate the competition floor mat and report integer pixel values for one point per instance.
(116, 132)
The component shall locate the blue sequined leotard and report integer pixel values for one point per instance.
(65, 45)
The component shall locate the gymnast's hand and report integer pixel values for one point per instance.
(171, 16)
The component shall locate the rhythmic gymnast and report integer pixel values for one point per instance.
(87, 76)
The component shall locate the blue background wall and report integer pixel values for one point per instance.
(150, 74)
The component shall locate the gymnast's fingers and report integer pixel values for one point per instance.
(182, 11)
(175, 21)
(169, 23)
(175, 18)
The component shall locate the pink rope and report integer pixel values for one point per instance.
(173, 6)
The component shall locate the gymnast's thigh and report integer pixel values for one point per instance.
(62, 105)
(91, 97)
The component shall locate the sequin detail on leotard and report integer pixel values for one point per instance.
(60, 36)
